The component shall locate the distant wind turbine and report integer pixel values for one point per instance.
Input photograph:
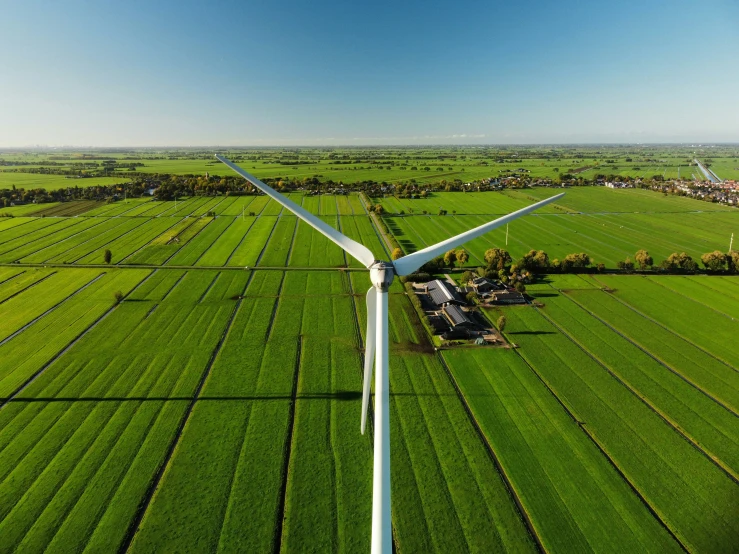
(381, 276)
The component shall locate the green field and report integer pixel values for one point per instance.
(202, 392)
(379, 164)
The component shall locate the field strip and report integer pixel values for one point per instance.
(268, 332)
(83, 287)
(207, 289)
(154, 483)
(9, 235)
(56, 242)
(13, 276)
(524, 515)
(688, 297)
(147, 244)
(711, 457)
(25, 288)
(74, 341)
(241, 241)
(645, 316)
(181, 267)
(603, 451)
(213, 241)
(494, 458)
(92, 238)
(133, 229)
(42, 234)
(654, 357)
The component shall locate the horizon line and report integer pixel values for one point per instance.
(387, 145)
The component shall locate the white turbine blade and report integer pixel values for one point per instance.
(369, 352)
(359, 251)
(410, 263)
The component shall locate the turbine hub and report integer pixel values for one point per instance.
(382, 275)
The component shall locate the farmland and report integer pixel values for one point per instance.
(85, 168)
(202, 391)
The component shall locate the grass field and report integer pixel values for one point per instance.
(176, 400)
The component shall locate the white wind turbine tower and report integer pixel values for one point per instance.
(381, 275)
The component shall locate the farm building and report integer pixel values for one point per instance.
(483, 284)
(508, 297)
(442, 293)
(457, 317)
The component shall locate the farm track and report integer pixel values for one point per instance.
(653, 356)
(663, 416)
(154, 483)
(605, 454)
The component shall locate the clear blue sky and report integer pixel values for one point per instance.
(128, 73)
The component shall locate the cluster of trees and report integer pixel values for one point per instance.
(681, 262)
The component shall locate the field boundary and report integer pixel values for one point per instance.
(138, 517)
(675, 333)
(603, 451)
(653, 356)
(287, 450)
(69, 345)
(711, 457)
(530, 527)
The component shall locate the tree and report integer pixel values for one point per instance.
(573, 261)
(520, 287)
(501, 323)
(379, 209)
(471, 297)
(714, 261)
(468, 276)
(462, 256)
(397, 253)
(644, 260)
(677, 261)
(732, 259)
(107, 256)
(118, 296)
(497, 258)
(450, 257)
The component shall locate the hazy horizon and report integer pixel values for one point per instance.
(177, 74)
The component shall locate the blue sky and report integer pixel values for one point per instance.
(102, 73)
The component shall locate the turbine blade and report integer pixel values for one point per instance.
(369, 352)
(410, 263)
(358, 251)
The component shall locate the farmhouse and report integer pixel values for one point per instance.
(483, 284)
(442, 293)
(508, 297)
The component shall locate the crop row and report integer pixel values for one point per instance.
(690, 494)
(565, 484)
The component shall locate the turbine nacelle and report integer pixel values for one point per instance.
(382, 275)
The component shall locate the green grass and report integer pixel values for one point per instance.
(566, 486)
(689, 493)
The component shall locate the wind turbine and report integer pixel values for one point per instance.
(381, 275)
